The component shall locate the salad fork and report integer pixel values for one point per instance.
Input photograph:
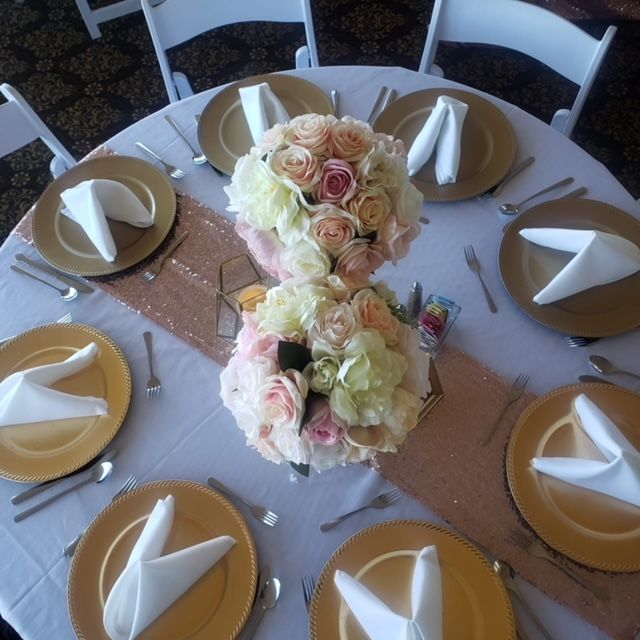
(174, 172)
(515, 391)
(474, 264)
(379, 502)
(156, 267)
(259, 513)
(579, 341)
(308, 586)
(153, 383)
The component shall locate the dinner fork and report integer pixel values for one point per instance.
(308, 586)
(153, 383)
(579, 341)
(259, 513)
(156, 267)
(66, 319)
(174, 172)
(537, 550)
(379, 502)
(474, 264)
(515, 391)
(130, 484)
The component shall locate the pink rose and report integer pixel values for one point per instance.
(350, 140)
(265, 247)
(337, 182)
(395, 237)
(250, 343)
(282, 398)
(312, 132)
(374, 313)
(333, 230)
(322, 426)
(358, 260)
(298, 164)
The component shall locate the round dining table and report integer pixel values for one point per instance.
(186, 432)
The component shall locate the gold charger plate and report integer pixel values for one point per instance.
(383, 556)
(223, 133)
(64, 244)
(42, 450)
(526, 268)
(217, 606)
(488, 145)
(593, 529)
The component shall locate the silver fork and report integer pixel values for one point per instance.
(156, 267)
(259, 513)
(174, 172)
(66, 319)
(537, 550)
(153, 383)
(579, 341)
(492, 193)
(130, 484)
(515, 391)
(308, 586)
(379, 502)
(474, 264)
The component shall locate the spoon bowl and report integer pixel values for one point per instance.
(606, 367)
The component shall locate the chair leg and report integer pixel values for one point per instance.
(89, 20)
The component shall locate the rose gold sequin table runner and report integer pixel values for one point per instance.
(442, 463)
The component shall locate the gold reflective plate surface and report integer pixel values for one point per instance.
(65, 245)
(593, 529)
(46, 450)
(216, 606)
(526, 268)
(488, 145)
(223, 132)
(383, 556)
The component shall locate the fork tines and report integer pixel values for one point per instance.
(268, 517)
(130, 484)
(308, 587)
(391, 496)
(579, 341)
(66, 319)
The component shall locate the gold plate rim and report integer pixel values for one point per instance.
(227, 164)
(42, 240)
(550, 315)
(418, 524)
(117, 420)
(85, 542)
(536, 520)
(458, 190)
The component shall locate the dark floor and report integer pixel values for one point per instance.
(88, 90)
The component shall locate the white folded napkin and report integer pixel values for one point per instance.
(262, 109)
(151, 583)
(91, 202)
(25, 396)
(619, 477)
(380, 623)
(600, 258)
(442, 131)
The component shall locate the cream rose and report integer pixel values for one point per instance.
(298, 165)
(306, 259)
(282, 398)
(312, 132)
(350, 140)
(335, 325)
(359, 259)
(373, 313)
(407, 202)
(322, 373)
(333, 229)
(370, 209)
(395, 238)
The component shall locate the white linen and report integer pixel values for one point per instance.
(380, 622)
(25, 396)
(443, 132)
(262, 109)
(151, 583)
(618, 477)
(91, 202)
(600, 258)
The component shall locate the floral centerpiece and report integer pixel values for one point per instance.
(321, 196)
(324, 374)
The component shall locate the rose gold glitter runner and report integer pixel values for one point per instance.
(442, 463)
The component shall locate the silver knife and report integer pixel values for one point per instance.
(81, 286)
(263, 578)
(43, 486)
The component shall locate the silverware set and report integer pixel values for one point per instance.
(198, 157)
(154, 270)
(474, 264)
(515, 391)
(381, 501)
(509, 209)
(267, 595)
(261, 514)
(384, 98)
(153, 383)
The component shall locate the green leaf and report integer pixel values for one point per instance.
(292, 355)
(302, 469)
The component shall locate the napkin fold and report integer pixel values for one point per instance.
(618, 477)
(151, 583)
(380, 622)
(600, 258)
(91, 202)
(262, 109)
(25, 396)
(443, 132)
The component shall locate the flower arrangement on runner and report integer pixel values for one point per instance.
(321, 195)
(324, 374)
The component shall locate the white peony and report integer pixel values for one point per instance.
(305, 258)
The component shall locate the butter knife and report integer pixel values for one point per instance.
(263, 578)
(79, 285)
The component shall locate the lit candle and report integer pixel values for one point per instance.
(250, 296)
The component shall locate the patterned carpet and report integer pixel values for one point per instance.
(88, 90)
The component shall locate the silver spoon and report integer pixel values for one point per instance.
(606, 367)
(198, 157)
(514, 209)
(66, 293)
(335, 101)
(267, 600)
(99, 473)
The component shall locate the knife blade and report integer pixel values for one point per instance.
(586, 378)
(81, 286)
(43, 486)
(263, 578)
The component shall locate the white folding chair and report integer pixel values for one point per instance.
(93, 17)
(175, 21)
(20, 125)
(524, 27)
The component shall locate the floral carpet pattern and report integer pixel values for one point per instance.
(87, 90)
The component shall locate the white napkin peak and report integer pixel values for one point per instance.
(600, 258)
(91, 202)
(618, 477)
(262, 109)
(443, 132)
(25, 396)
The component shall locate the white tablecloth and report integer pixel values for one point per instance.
(187, 433)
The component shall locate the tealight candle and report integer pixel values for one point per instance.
(250, 296)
